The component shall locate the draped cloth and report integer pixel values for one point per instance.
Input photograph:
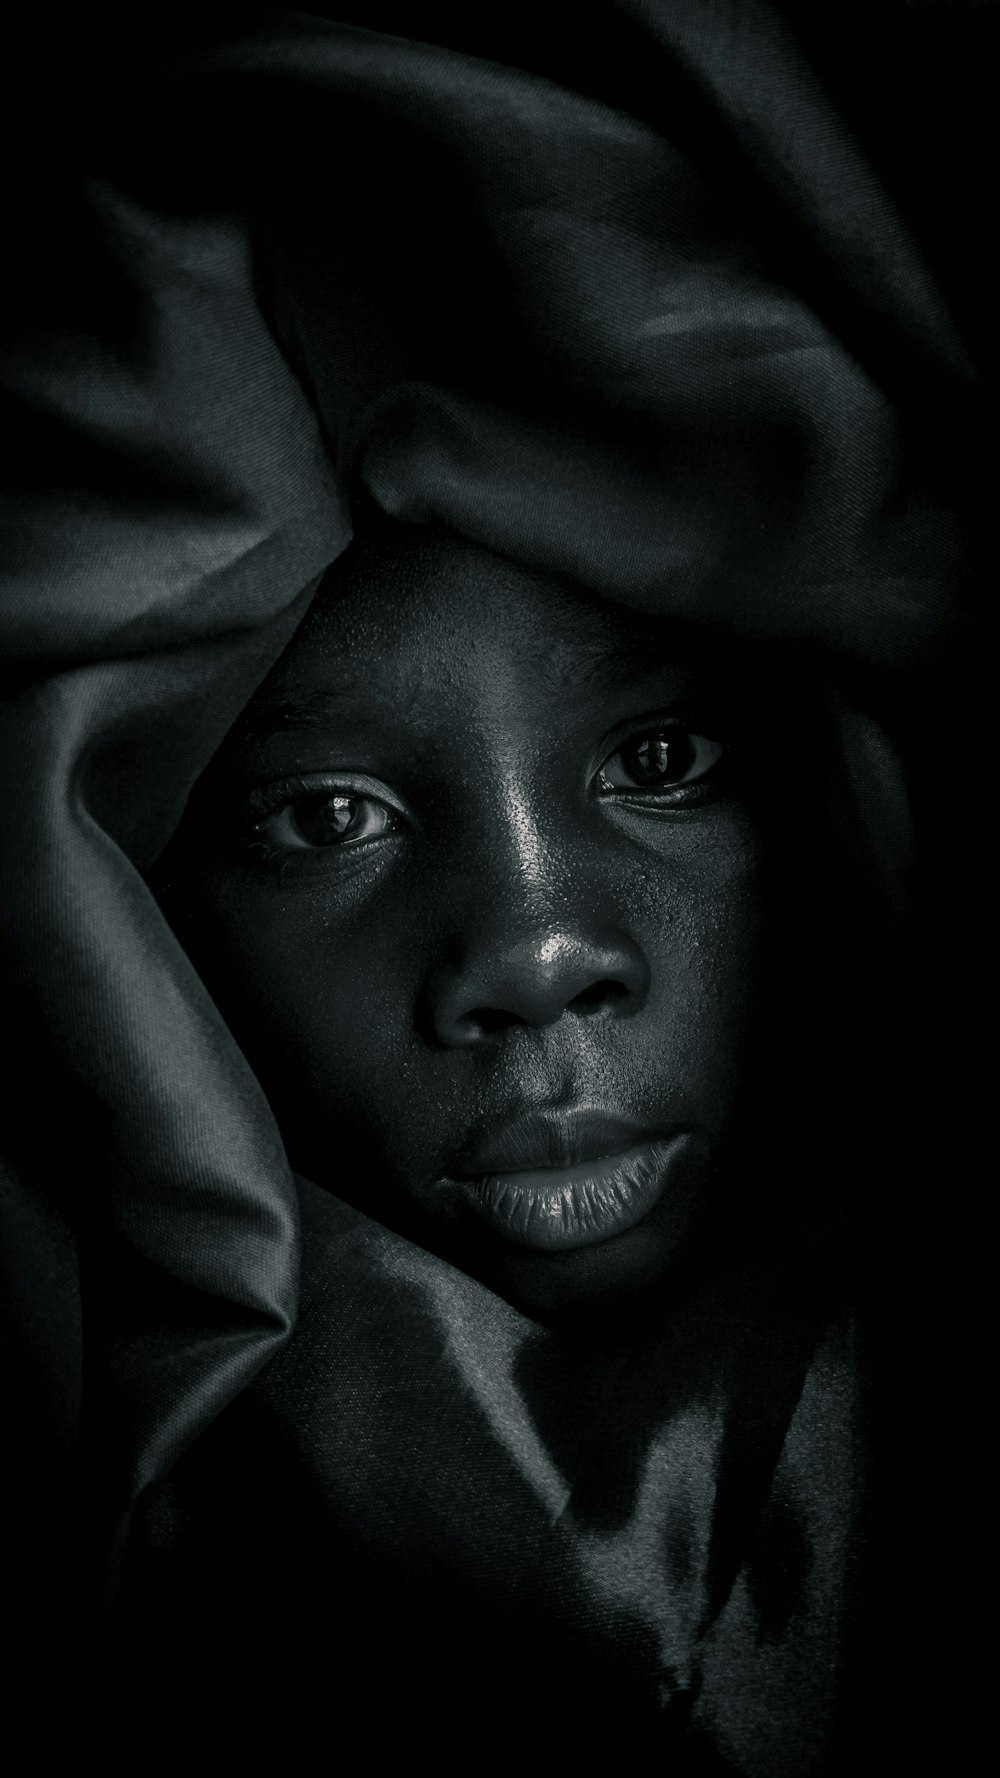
(654, 306)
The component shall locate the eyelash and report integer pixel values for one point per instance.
(270, 799)
(266, 800)
(702, 788)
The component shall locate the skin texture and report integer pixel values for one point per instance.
(515, 936)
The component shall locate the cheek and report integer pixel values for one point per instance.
(322, 1008)
(701, 918)
(313, 998)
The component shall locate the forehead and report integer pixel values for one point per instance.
(429, 619)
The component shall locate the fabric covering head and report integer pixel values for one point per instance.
(657, 330)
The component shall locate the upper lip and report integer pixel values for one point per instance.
(550, 1138)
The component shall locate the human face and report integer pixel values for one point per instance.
(476, 884)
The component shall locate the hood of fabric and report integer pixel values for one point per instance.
(657, 320)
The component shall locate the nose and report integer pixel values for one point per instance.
(493, 982)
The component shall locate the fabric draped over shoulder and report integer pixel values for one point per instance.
(670, 336)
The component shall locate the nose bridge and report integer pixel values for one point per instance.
(520, 880)
(530, 933)
(518, 846)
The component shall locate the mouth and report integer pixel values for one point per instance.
(556, 1183)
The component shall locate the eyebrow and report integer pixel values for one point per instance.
(567, 659)
(319, 709)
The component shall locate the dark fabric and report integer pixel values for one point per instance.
(647, 1539)
(666, 304)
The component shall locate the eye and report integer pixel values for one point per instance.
(326, 818)
(662, 758)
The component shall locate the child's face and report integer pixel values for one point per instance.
(475, 884)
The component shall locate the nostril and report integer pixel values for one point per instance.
(483, 1019)
(597, 995)
(489, 990)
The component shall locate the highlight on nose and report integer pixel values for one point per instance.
(533, 981)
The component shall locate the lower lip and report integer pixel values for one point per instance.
(558, 1209)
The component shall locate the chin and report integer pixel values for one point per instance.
(633, 1273)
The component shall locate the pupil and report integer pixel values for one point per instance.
(660, 757)
(325, 819)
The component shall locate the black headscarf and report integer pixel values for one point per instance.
(675, 302)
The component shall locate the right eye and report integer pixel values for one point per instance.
(327, 819)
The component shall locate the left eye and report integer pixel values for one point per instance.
(660, 759)
(327, 820)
